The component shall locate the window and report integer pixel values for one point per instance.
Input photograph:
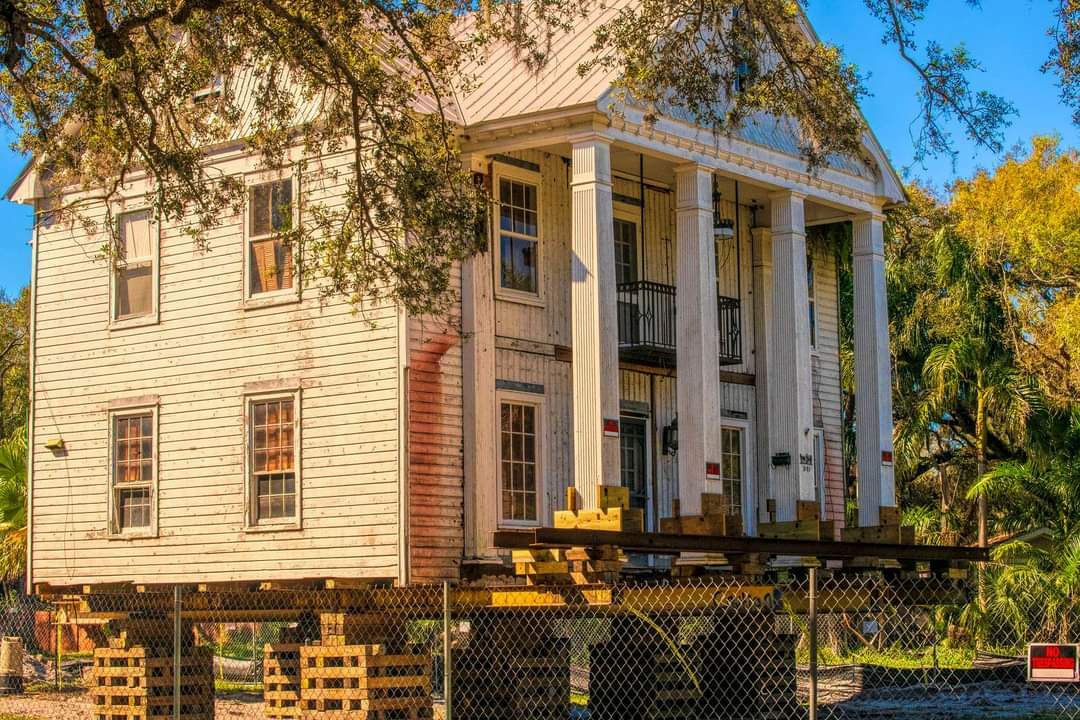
(133, 471)
(731, 468)
(273, 460)
(519, 467)
(626, 270)
(270, 258)
(134, 271)
(519, 236)
(212, 90)
(811, 293)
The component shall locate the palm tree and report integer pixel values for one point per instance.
(13, 506)
(967, 373)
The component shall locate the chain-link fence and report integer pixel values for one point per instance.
(826, 645)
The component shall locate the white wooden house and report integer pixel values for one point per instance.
(202, 415)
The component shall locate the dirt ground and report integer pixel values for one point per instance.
(76, 705)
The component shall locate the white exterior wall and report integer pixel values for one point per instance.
(197, 360)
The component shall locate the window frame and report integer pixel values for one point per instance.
(749, 482)
(115, 532)
(501, 171)
(152, 317)
(272, 297)
(536, 401)
(251, 501)
(622, 213)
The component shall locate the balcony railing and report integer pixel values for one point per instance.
(646, 316)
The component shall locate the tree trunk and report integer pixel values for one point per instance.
(980, 460)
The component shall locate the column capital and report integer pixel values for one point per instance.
(868, 234)
(693, 187)
(788, 212)
(590, 160)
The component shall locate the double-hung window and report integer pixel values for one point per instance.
(135, 268)
(133, 472)
(270, 256)
(273, 460)
(519, 236)
(519, 466)
(732, 468)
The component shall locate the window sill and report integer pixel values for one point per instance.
(520, 298)
(523, 526)
(133, 322)
(264, 300)
(122, 536)
(274, 527)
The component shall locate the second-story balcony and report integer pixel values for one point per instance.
(647, 325)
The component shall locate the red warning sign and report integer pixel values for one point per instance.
(1053, 662)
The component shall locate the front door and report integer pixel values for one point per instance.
(633, 442)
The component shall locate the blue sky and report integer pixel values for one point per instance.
(1007, 36)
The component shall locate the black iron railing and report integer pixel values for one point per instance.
(646, 316)
(727, 312)
(646, 322)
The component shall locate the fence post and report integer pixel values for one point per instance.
(813, 645)
(177, 607)
(448, 665)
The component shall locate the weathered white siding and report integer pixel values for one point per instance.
(825, 362)
(197, 360)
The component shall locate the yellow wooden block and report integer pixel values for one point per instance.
(566, 519)
(798, 530)
(535, 556)
(613, 520)
(613, 496)
(541, 568)
(714, 504)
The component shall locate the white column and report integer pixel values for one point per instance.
(789, 381)
(761, 253)
(697, 335)
(594, 329)
(873, 386)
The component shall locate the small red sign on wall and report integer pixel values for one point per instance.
(611, 428)
(712, 471)
(886, 457)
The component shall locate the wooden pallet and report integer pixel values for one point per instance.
(137, 682)
(499, 679)
(281, 680)
(363, 682)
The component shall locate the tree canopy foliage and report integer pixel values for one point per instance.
(102, 91)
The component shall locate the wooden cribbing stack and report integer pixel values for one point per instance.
(890, 531)
(584, 566)
(135, 681)
(715, 521)
(363, 682)
(281, 679)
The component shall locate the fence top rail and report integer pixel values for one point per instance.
(671, 544)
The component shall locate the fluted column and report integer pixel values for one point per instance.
(697, 335)
(789, 382)
(594, 323)
(761, 254)
(873, 388)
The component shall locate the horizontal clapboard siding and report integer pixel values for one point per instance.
(198, 359)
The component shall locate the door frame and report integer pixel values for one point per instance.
(646, 422)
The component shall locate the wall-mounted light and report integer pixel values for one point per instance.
(54, 444)
(723, 227)
(670, 437)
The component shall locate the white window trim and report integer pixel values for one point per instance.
(510, 172)
(153, 317)
(113, 524)
(623, 212)
(537, 401)
(251, 523)
(749, 481)
(274, 297)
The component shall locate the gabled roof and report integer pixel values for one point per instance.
(505, 87)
